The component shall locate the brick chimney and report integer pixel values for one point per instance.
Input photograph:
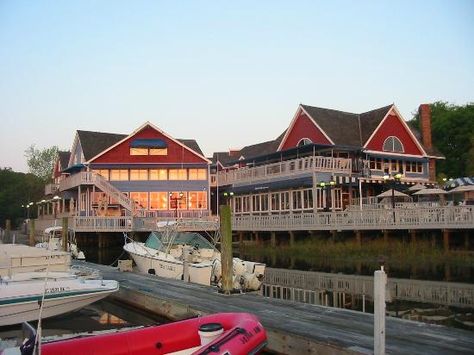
(425, 127)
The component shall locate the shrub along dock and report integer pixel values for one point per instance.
(293, 328)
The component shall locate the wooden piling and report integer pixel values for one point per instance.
(65, 234)
(446, 237)
(358, 235)
(31, 233)
(292, 238)
(273, 239)
(226, 248)
(8, 229)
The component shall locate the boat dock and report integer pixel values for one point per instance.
(293, 328)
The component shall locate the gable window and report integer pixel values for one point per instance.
(304, 141)
(158, 151)
(138, 151)
(393, 144)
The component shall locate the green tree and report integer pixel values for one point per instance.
(41, 162)
(17, 189)
(452, 130)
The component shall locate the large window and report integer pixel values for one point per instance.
(148, 151)
(159, 200)
(197, 200)
(138, 174)
(393, 144)
(414, 167)
(118, 174)
(197, 174)
(158, 174)
(103, 172)
(177, 174)
(140, 198)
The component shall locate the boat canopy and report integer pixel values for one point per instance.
(160, 241)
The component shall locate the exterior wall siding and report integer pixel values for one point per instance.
(393, 127)
(176, 152)
(304, 127)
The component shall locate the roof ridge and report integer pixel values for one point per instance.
(330, 109)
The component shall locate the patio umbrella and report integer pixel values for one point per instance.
(434, 191)
(464, 188)
(416, 187)
(388, 193)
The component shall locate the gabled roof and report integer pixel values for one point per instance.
(124, 137)
(191, 144)
(222, 157)
(433, 152)
(370, 120)
(345, 128)
(263, 148)
(93, 143)
(63, 158)
(340, 126)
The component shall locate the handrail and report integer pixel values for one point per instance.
(286, 168)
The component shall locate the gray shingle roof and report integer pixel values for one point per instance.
(93, 143)
(64, 159)
(345, 128)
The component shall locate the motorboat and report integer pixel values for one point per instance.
(24, 295)
(175, 253)
(52, 239)
(17, 258)
(221, 333)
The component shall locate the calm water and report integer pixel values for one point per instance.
(102, 315)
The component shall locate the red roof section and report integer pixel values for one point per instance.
(177, 153)
(392, 126)
(304, 127)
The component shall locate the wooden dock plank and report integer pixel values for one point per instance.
(294, 327)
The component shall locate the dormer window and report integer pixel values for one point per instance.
(393, 144)
(148, 147)
(304, 141)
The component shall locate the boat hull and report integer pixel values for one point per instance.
(60, 298)
(242, 334)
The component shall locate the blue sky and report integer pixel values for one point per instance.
(228, 74)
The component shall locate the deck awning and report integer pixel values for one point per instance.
(148, 143)
(272, 186)
(73, 168)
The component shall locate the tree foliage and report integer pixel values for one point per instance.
(17, 189)
(41, 162)
(453, 135)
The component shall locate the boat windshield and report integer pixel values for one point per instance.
(158, 241)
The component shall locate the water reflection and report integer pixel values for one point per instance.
(420, 271)
(100, 316)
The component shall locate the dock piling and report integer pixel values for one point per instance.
(226, 249)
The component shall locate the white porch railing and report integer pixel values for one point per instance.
(461, 217)
(436, 292)
(285, 169)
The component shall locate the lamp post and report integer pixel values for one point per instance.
(326, 186)
(393, 179)
(28, 206)
(55, 200)
(175, 200)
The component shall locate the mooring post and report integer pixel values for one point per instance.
(380, 282)
(65, 235)
(226, 249)
(8, 228)
(187, 251)
(31, 233)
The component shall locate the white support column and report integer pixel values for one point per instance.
(380, 283)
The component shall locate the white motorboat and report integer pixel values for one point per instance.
(173, 253)
(52, 240)
(23, 294)
(17, 258)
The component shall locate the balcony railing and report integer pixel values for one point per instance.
(459, 217)
(51, 189)
(286, 169)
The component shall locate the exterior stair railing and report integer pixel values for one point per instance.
(92, 178)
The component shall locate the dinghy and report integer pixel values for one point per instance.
(222, 333)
